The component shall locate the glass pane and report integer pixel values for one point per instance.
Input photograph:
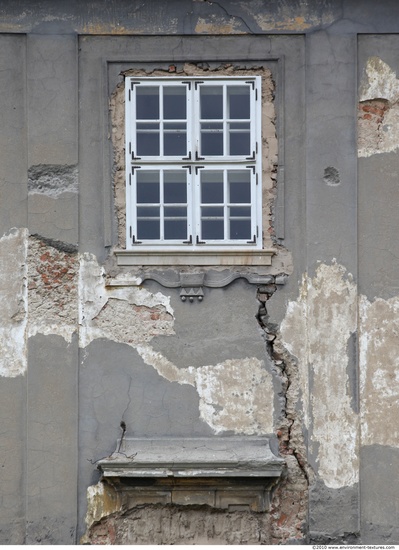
(239, 186)
(211, 102)
(238, 100)
(175, 144)
(212, 212)
(240, 212)
(174, 102)
(175, 187)
(147, 102)
(148, 229)
(147, 187)
(176, 229)
(147, 144)
(212, 229)
(175, 212)
(240, 229)
(240, 143)
(147, 212)
(212, 143)
(212, 187)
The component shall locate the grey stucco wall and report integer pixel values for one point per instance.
(322, 349)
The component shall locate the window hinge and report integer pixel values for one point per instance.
(252, 157)
(135, 168)
(198, 241)
(198, 82)
(256, 94)
(253, 240)
(188, 166)
(252, 82)
(188, 157)
(134, 241)
(190, 240)
(197, 157)
(135, 158)
(130, 183)
(256, 147)
(130, 148)
(197, 168)
(257, 178)
(188, 84)
(257, 231)
(252, 168)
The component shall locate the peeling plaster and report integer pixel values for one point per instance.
(378, 121)
(128, 314)
(316, 330)
(233, 394)
(52, 289)
(13, 302)
(379, 371)
(102, 500)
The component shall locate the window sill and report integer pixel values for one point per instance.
(200, 257)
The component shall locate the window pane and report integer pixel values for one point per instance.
(211, 139)
(147, 212)
(147, 187)
(212, 212)
(240, 212)
(238, 100)
(211, 102)
(239, 186)
(212, 186)
(148, 229)
(147, 102)
(174, 102)
(147, 144)
(175, 144)
(212, 229)
(240, 229)
(175, 212)
(175, 187)
(240, 143)
(176, 229)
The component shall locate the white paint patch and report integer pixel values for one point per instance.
(379, 371)
(316, 330)
(236, 395)
(13, 303)
(379, 82)
(101, 502)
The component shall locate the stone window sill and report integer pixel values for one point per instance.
(195, 258)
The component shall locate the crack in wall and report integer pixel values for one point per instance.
(290, 518)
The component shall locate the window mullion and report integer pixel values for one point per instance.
(225, 206)
(162, 204)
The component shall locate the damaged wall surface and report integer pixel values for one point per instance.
(294, 344)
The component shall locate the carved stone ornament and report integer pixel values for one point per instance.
(192, 284)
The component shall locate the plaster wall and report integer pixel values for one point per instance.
(86, 344)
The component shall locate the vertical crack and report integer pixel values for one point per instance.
(289, 507)
(270, 330)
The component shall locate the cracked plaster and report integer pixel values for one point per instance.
(316, 330)
(232, 393)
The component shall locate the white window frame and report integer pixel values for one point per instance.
(194, 163)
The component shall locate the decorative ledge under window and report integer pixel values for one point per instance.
(231, 473)
(199, 257)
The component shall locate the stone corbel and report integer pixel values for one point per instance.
(232, 473)
(192, 285)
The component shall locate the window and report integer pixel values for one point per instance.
(193, 163)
